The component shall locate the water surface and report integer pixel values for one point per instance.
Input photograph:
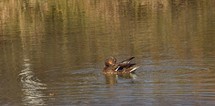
(53, 52)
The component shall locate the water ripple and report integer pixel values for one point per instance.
(31, 86)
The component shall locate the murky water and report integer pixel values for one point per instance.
(53, 52)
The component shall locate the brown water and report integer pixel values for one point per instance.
(52, 52)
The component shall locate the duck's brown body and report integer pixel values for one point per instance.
(123, 67)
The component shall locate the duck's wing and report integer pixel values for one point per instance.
(127, 60)
(133, 69)
(126, 63)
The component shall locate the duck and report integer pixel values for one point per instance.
(123, 67)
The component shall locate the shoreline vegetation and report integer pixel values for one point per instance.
(30, 20)
(37, 10)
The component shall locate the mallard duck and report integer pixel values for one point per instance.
(123, 67)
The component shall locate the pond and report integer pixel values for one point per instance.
(53, 52)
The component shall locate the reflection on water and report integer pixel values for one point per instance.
(31, 86)
(52, 52)
(112, 79)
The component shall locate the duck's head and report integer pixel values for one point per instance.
(110, 61)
